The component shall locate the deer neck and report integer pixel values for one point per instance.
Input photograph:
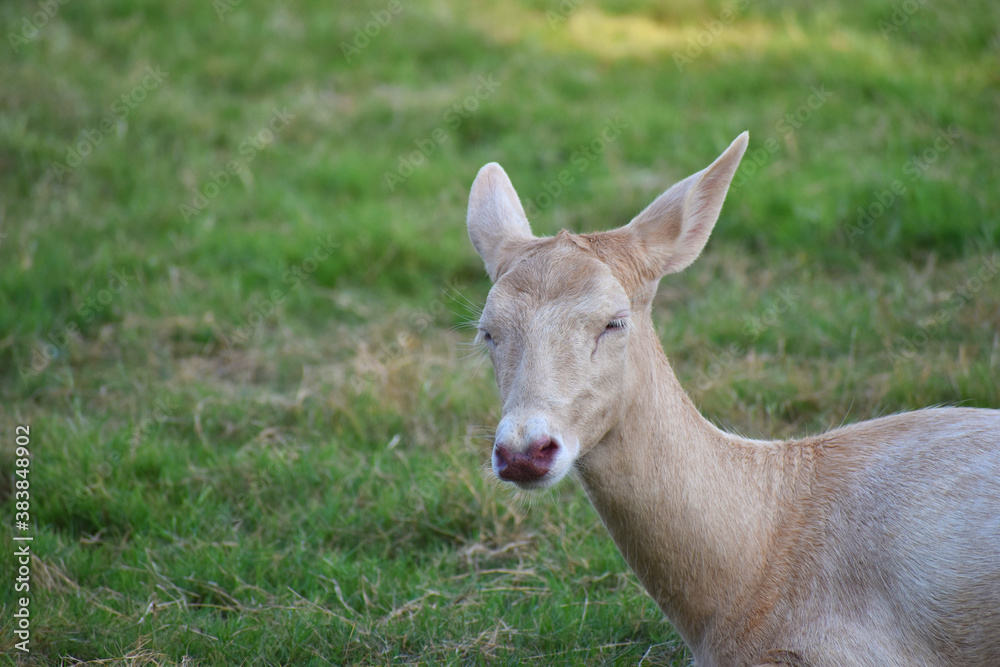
(684, 501)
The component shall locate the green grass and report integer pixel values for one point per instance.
(258, 430)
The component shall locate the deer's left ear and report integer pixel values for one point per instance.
(496, 218)
(675, 227)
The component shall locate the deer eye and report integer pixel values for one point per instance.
(618, 322)
(486, 337)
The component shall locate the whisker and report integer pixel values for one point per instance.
(456, 295)
(469, 312)
(461, 327)
(474, 354)
(479, 364)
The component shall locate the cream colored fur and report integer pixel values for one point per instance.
(874, 544)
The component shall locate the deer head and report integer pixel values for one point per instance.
(567, 322)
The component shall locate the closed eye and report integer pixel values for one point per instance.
(615, 327)
(618, 322)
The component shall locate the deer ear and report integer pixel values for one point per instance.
(676, 226)
(496, 219)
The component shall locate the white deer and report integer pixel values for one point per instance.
(876, 543)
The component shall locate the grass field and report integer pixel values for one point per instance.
(234, 279)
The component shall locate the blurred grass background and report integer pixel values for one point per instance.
(234, 270)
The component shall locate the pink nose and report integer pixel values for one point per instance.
(529, 466)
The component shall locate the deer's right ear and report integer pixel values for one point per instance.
(496, 219)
